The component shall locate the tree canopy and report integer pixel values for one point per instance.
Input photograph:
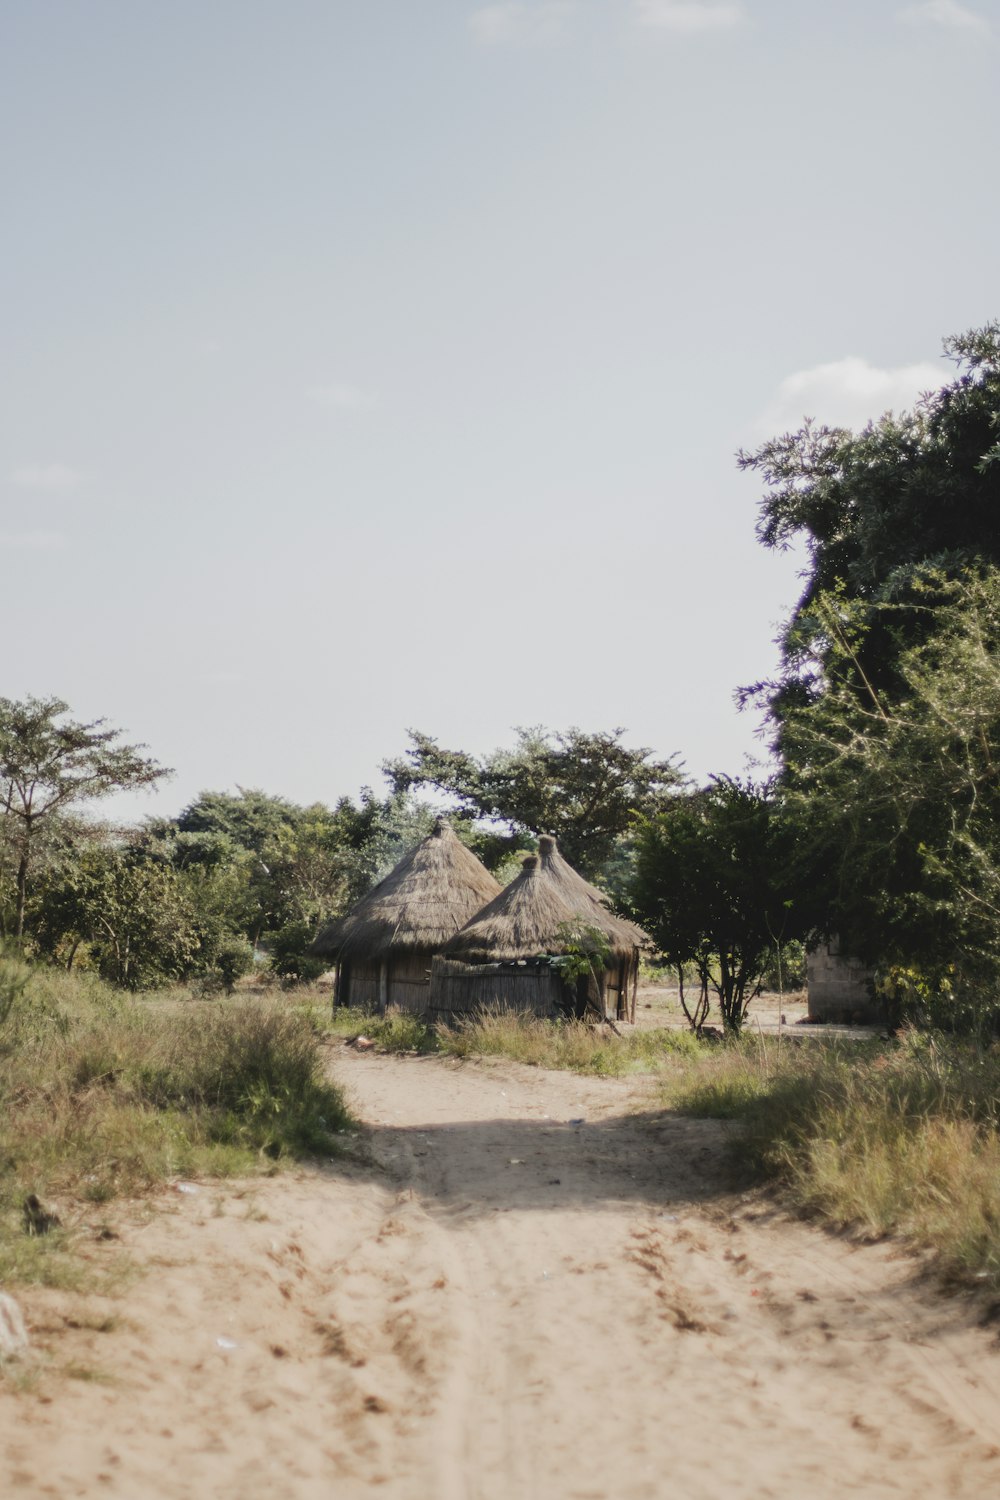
(713, 887)
(50, 763)
(584, 788)
(877, 509)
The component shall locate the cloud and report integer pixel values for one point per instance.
(45, 477)
(689, 16)
(340, 397)
(846, 393)
(32, 541)
(945, 13)
(520, 22)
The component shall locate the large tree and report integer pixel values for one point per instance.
(876, 510)
(584, 788)
(50, 763)
(886, 712)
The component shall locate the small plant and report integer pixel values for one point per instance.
(585, 955)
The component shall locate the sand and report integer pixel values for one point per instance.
(506, 1305)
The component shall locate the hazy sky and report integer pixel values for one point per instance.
(381, 364)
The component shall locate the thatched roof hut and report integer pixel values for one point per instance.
(504, 954)
(384, 944)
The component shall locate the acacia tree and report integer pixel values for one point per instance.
(584, 788)
(49, 764)
(712, 886)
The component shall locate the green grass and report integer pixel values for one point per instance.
(885, 1138)
(397, 1031)
(104, 1095)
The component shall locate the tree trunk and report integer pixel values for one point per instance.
(22, 889)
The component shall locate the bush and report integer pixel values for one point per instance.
(289, 958)
(233, 959)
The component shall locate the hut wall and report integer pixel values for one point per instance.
(359, 985)
(617, 992)
(458, 990)
(838, 987)
(405, 983)
(410, 981)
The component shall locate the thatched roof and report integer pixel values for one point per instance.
(590, 904)
(523, 921)
(418, 907)
(530, 917)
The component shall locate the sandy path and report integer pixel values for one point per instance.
(511, 1306)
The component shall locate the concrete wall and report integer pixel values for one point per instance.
(837, 987)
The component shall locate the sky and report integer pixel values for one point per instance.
(371, 365)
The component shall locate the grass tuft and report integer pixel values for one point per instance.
(886, 1138)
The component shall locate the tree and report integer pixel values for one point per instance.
(713, 889)
(879, 507)
(885, 710)
(584, 788)
(48, 764)
(898, 795)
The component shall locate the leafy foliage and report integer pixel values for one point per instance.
(50, 763)
(584, 788)
(886, 711)
(712, 887)
(877, 509)
(898, 796)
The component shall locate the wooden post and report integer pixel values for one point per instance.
(383, 986)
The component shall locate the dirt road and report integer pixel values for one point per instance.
(543, 1290)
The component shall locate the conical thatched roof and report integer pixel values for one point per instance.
(523, 921)
(590, 904)
(419, 906)
(529, 917)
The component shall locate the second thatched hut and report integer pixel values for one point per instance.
(514, 952)
(384, 945)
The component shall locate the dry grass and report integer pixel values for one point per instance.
(102, 1095)
(540, 1043)
(566, 1044)
(887, 1138)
